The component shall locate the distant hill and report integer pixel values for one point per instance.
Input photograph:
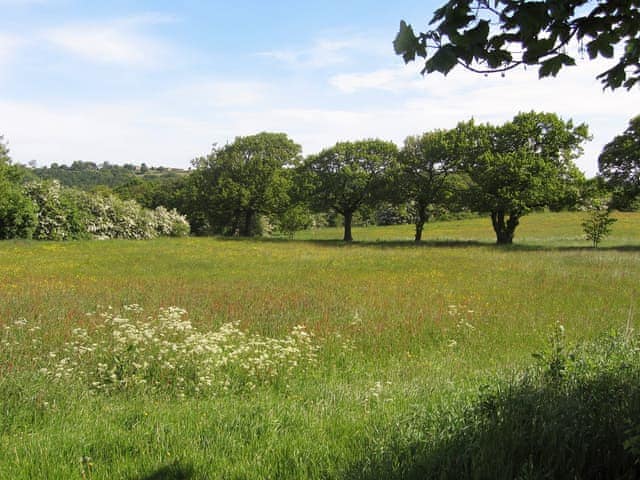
(89, 175)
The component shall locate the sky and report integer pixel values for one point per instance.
(160, 82)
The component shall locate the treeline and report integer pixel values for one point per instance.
(505, 171)
(45, 210)
(261, 183)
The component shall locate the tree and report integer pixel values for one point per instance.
(349, 176)
(426, 166)
(597, 225)
(524, 164)
(487, 36)
(245, 179)
(619, 162)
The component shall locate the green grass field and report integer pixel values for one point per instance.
(407, 336)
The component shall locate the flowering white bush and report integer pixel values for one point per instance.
(110, 217)
(58, 216)
(64, 213)
(170, 223)
(167, 353)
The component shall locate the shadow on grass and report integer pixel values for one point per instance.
(173, 471)
(589, 429)
(436, 243)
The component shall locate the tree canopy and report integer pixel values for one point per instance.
(487, 36)
(247, 178)
(350, 175)
(427, 164)
(524, 164)
(619, 162)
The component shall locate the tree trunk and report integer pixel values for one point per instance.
(348, 216)
(248, 222)
(421, 219)
(504, 230)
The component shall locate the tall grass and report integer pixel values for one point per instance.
(408, 335)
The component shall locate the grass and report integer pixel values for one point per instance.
(407, 334)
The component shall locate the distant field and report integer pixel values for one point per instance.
(402, 330)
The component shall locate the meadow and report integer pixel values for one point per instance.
(415, 360)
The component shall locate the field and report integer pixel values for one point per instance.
(405, 338)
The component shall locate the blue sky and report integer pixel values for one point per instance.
(160, 82)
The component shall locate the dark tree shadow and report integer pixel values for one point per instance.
(174, 471)
(528, 432)
(435, 243)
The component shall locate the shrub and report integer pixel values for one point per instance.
(293, 219)
(170, 223)
(597, 225)
(18, 214)
(60, 216)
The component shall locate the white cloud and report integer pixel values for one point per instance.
(218, 93)
(172, 127)
(99, 132)
(436, 101)
(115, 42)
(322, 53)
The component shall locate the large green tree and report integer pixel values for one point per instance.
(487, 36)
(245, 179)
(427, 180)
(524, 164)
(349, 176)
(619, 162)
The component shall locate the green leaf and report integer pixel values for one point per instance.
(552, 66)
(443, 60)
(478, 34)
(498, 58)
(536, 49)
(406, 43)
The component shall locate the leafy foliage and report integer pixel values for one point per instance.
(521, 165)
(427, 164)
(528, 33)
(247, 178)
(597, 225)
(18, 214)
(59, 214)
(130, 179)
(619, 162)
(351, 175)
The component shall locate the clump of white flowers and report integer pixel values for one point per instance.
(110, 217)
(165, 352)
(65, 213)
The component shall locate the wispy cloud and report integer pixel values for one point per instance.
(321, 53)
(388, 79)
(114, 42)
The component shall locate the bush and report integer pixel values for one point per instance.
(170, 223)
(59, 215)
(295, 218)
(18, 214)
(110, 217)
(597, 225)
